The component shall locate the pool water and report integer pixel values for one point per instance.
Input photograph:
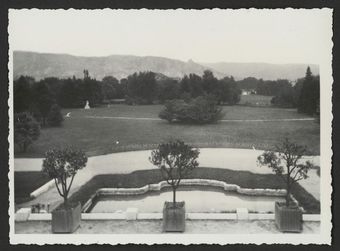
(197, 200)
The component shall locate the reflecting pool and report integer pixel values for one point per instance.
(198, 199)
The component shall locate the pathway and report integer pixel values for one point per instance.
(223, 120)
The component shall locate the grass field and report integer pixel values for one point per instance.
(97, 135)
(242, 178)
(25, 183)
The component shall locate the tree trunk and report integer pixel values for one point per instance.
(65, 201)
(288, 191)
(24, 147)
(174, 196)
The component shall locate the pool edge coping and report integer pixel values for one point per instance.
(187, 182)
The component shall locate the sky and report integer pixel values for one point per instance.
(271, 36)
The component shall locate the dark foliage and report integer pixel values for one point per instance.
(228, 91)
(55, 118)
(224, 91)
(22, 94)
(168, 89)
(287, 97)
(209, 83)
(309, 100)
(264, 87)
(91, 90)
(42, 101)
(142, 88)
(200, 110)
(71, 94)
(191, 86)
(26, 130)
(149, 88)
(305, 95)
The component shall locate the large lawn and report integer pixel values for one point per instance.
(152, 111)
(97, 135)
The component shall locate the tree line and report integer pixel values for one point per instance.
(38, 97)
(148, 88)
(304, 95)
(137, 88)
(263, 87)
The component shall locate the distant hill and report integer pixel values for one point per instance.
(263, 70)
(42, 65)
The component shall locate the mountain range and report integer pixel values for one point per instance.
(42, 65)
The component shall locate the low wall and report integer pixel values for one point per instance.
(184, 182)
(159, 216)
(42, 189)
(189, 182)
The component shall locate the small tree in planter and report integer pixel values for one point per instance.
(286, 163)
(62, 166)
(175, 160)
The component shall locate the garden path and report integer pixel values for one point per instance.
(222, 120)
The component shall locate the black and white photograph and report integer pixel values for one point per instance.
(172, 126)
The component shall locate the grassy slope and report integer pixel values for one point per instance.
(242, 178)
(96, 136)
(27, 182)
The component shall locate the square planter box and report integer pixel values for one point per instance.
(288, 219)
(174, 217)
(66, 220)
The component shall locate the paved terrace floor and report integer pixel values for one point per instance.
(155, 227)
(126, 162)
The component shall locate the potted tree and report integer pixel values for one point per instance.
(286, 162)
(62, 165)
(175, 160)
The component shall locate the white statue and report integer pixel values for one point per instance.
(87, 106)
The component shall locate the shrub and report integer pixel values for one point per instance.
(201, 110)
(26, 130)
(185, 96)
(55, 118)
(172, 107)
(136, 101)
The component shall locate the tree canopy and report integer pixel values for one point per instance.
(176, 160)
(22, 94)
(286, 162)
(62, 164)
(309, 99)
(142, 87)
